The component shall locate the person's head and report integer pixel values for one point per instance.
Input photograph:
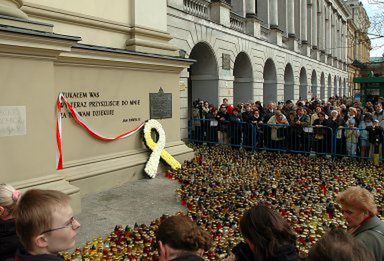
(338, 245)
(300, 111)
(279, 116)
(352, 111)
(369, 104)
(8, 199)
(225, 101)
(256, 112)
(206, 104)
(321, 115)
(265, 230)
(45, 222)
(357, 204)
(178, 236)
(235, 111)
(271, 106)
(318, 109)
(223, 108)
(334, 113)
(248, 107)
(378, 106)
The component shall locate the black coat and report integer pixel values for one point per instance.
(9, 242)
(285, 253)
(23, 256)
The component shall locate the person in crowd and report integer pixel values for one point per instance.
(257, 122)
(45, 225)
(197, 118)
(228, 106)
(278, 133)
(240, 107)
(291, 143)
(267, 236)
(247, 116)
(9, 242)
(259, 107)
(223, 121)
(269, 111)
(212, 126)
(235, 127)
(337, 123)
(359, 115)
(338, 245)
(352, 114)
(205, 109)
(360, 212)
(363, 138)
(379, 114)
(352, 137)
(343, 112)
(315, 116)
(375, 138)
(287, 108)
(300, 137)
(181, 239)
(369, 107)
(322, 134)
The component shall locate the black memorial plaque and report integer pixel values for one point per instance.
(160, 105)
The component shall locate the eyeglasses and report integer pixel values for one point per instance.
(71, 224)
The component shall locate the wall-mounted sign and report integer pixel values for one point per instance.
(13, 121)
(160, 105)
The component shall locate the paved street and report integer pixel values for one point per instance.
(140, 201)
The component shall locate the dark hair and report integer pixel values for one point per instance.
(266, 230)
(321, 113)
(180, 233)
(337, 245)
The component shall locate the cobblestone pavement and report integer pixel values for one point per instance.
(140, 201)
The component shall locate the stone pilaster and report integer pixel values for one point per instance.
(273, 14)
(314, 25)
(150, 35)
(291, 18)
(221, 13)
(303, 17)
(328, 30)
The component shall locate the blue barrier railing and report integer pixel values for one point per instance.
(322, 140)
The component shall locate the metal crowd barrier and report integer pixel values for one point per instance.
(319, 140)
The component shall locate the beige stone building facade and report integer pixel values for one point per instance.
(359, 44)
(266, 50)
(106, 57)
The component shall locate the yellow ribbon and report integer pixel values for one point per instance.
(157, 149)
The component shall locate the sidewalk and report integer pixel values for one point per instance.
(140, 201)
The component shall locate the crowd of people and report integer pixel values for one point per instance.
(240, 206)
(339, 126)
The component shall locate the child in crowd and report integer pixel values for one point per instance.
(45, 225)
(9, 241)
(352, 137)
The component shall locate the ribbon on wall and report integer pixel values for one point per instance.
(81, 122)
